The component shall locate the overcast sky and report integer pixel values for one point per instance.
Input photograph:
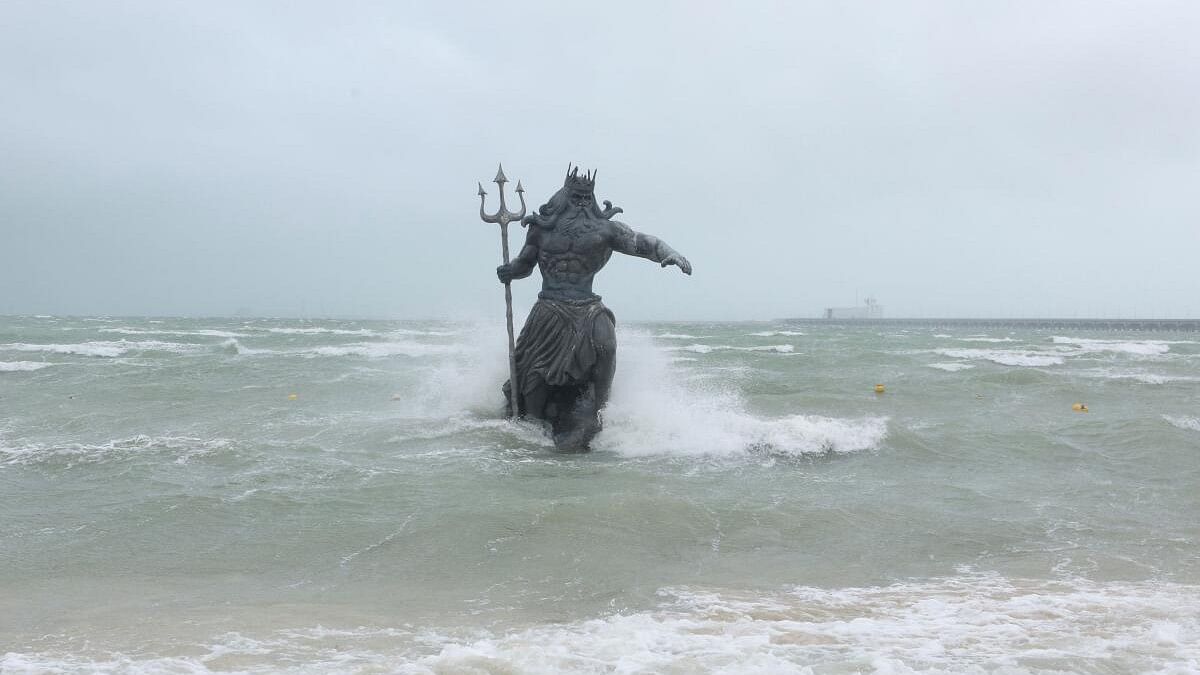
(320, 159)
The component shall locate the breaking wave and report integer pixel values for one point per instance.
(361, 332)
(102, 349)
(1005, 357)
(773, 333)
(367, 349)
(383, 349)
(1135, 347)
(1188, 423)
(976, 623)
(1136, 376)
(708, 349)
(322, 331)
(952, 367)
(232, 346)
(200, 333)
(22, 366)
(970, 623)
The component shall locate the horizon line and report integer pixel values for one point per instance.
(816, 319)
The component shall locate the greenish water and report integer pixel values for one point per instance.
(751, 506)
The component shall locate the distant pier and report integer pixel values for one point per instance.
(1154, 325)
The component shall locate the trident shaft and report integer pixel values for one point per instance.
(504, 217)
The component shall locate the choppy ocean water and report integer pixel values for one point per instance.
(752, 505)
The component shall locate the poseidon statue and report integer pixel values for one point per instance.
(566, 354)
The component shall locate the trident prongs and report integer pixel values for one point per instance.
(503, 216)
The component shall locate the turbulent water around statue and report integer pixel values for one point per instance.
(313, 496)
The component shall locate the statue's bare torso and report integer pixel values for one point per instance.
(570, 255)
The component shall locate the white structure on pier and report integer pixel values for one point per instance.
(870, 310)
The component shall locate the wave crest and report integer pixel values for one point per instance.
(1188, 423)
(1005, 357)
(22, 366)
(101, 348)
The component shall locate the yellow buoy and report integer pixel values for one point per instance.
(1079, 407)
(879, 389)
(292, 397)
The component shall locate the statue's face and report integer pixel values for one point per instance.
(581, 199)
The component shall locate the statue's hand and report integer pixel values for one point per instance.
(505, 273)
(682, 262)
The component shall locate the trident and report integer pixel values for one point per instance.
(504, 217)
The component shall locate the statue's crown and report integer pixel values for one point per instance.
(576, 182)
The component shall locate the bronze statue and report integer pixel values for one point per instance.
(566, 355)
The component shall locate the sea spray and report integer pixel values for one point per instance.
(656, 410)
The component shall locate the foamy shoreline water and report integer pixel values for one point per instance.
(966, 623)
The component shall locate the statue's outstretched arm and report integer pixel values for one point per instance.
(522, 265)
(647, 246)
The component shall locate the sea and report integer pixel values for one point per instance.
(335, 496)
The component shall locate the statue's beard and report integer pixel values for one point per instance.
(572, 215)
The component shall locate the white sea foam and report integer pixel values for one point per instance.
(317, 331)
(1188, 423)
(707, 428)
(375, 350)
(107, 349)
(102, 349)
(971, 623)
(975, 624)
(986, 339)
(361, 332)
(22, 366)
(182, 447)
(677, 336)
(773, 333)
(1135, 375)
(1135, 347)
(233, 346)
(952, 367)
(779, 349)
(384, 349)
(1005, 357)
(432, 333)
(200, 333)
(653, 412)
(708, 349)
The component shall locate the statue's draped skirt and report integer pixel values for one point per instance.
(557, 342)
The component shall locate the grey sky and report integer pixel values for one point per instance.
(288, 158)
